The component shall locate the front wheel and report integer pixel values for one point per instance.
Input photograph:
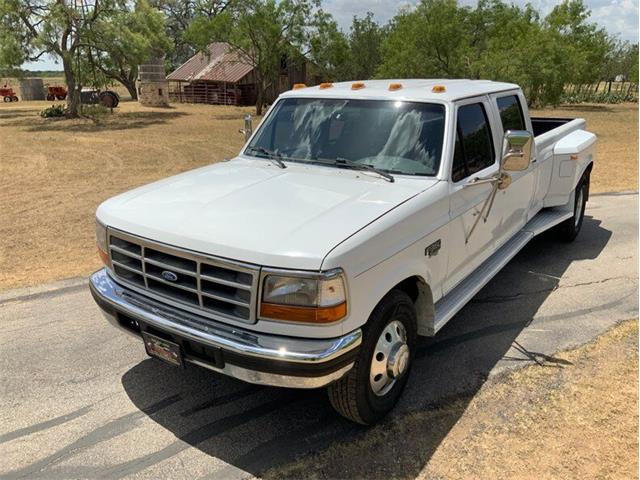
(376, 381)
(569, 229)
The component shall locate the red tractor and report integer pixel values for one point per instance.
(8, 94)
(56, 93)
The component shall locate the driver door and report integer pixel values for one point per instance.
(475, 156)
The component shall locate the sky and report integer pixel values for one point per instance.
(619, 17)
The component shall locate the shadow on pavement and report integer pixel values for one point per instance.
(257, 428)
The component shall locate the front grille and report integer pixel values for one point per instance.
(211, 286)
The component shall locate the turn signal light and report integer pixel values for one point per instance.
(297, 86)
(357, 85)
(304, 314)
(104, 256)
(395, 86)
(324, 85)
(438, 89)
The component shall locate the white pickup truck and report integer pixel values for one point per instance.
(357, 217)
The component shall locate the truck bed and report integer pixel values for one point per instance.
(544, 124)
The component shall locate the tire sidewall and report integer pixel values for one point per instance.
(582, 187)
(397, 306)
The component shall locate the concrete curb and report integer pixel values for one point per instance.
(44, 289)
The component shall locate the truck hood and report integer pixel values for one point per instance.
(256, 212)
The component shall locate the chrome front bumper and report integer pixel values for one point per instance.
(244, 354)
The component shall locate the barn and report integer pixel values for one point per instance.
(222, 76)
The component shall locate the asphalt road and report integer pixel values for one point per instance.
(82, 400)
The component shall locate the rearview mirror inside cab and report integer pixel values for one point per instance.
(516, 151)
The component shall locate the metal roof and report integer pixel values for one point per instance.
(220, 64)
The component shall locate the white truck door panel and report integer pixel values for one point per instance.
(468, 249)
(513, 205)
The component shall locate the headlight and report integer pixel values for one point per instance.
(319, 298)
(101, 242)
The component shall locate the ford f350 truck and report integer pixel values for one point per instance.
(357, 217)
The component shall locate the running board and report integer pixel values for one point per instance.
(452, 303)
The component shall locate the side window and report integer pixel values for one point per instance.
(474, 144)
(511, 113)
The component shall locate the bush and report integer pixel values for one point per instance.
(599, 97)
(53, 111)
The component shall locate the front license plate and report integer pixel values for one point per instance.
(163, 349)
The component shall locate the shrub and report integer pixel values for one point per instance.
(53, 111)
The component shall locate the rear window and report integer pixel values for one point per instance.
(511, 113)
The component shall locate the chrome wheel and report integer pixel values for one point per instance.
(578, 213)
(390, 358)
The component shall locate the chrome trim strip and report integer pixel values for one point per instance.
(197, 328)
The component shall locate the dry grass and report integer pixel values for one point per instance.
(616, 167)
(578, 421)
(54, 173)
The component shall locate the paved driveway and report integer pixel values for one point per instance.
(81, 399)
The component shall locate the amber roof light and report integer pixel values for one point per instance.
(324, 85)
(297, 86)
(394, 86)
(357, 85)
(438, 89)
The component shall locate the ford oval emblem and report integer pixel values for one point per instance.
(170, 276)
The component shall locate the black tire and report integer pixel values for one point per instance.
(353, 396)
(570, 228)
(51, 97)
(7, 99)
(14, 99)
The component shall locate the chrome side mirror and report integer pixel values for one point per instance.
(516, 150)
(248, 127)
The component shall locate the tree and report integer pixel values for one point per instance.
(365, 39)
(329, 49)
(120, 42)
(178, 16)
(264, 32)
(430, 41)
(57, 27)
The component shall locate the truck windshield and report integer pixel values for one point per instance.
(392, 136)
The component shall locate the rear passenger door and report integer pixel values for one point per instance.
(515, 203)
(475, 156)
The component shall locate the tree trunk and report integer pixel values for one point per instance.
(131, 88)
(73, 94)
(259, 97)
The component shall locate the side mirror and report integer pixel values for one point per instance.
(248, 127)
(516, 150)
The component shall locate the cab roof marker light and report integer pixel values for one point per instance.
(438, 89)
(394, 86)
(357, 85)
(298, 86)
(324, 85)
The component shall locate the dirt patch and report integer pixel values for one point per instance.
(616, 166)
(575, 419)
(54, 173)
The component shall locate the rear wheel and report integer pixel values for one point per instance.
(7, 99)
(376, 381)
(569, 229)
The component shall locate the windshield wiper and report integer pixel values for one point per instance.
(345, 162)
(275, 156)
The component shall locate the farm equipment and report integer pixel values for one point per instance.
(56, 93)
(8, 94)
(108, 98)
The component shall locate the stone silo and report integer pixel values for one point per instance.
(153, 88)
